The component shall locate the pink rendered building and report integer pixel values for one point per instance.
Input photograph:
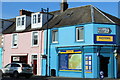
(24, 41)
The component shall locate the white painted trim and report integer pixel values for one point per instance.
(76, 34)
(23, 54)
(32, 39)
(12, 41)
(104, 15)
(57, 36)
(92, 13)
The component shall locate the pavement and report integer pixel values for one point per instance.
(54, 78)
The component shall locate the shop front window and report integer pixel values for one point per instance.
(70, 61)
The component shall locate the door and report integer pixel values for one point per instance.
(35, 67)
(104, 61)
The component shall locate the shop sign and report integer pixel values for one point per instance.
(16, 58)
(104, 39)
(70, 51)
(104, 30)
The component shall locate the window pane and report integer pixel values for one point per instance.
(18, 22)
(23, 20)
(35, 38)
(75, 61)
(14, 39)
(80, 33)
(38, 18)
(55, 36)
(34, 19)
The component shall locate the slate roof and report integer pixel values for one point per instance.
(73, 16)
(81, 15)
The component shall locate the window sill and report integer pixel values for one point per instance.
(55, 42)
(33, 46)
(81, 41)
(14, 47)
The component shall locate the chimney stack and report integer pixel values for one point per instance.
(64, 5)
(25, 12)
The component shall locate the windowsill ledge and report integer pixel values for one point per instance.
(33, 46)
(14, 47)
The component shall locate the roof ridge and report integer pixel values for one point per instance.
(104, 14)
(80, 6)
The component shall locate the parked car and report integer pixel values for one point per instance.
(17, 69)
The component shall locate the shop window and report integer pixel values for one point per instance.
(70, 61)
(80, 34)
(55, 36)
(34, 38)
(88, 63)
(15, 39)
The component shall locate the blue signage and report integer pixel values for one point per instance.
(104, 39)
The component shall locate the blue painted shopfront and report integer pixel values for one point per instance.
(93, 53)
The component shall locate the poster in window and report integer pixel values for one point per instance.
(86, 62)
(74, 61)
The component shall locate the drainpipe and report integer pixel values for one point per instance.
(83, 63)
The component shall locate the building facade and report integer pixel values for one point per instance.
(23, 40)
(4, 24)
(82, 42)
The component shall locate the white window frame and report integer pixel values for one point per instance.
(32, 40)
(77, 33)
(34, 19)
(13, 40)
(54, 36)
(19, 21)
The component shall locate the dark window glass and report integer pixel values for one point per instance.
(23, 20)
(38, 18)
(25, 65)
(35, 38)
(15, 65)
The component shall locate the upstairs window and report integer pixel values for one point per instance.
(38, 18)
(14, 42)
(34, 19)
(35, 39)
(80, 33)
(18, 22)
(55, 36)
(23, 20)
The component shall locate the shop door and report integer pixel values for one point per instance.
(35, 67)
(104, 61)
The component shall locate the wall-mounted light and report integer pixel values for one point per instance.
(115, 53)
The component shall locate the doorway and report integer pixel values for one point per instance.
(104, 61)
(34, 64)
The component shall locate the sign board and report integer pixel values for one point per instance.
(16, 58)
(104, 39)
(70, 51)
(104, 30)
